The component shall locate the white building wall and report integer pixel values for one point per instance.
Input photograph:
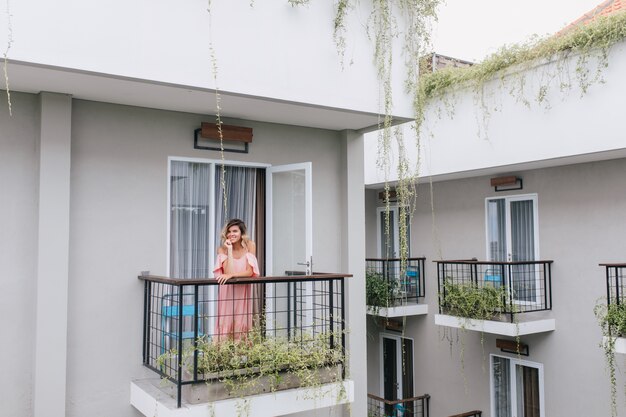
(581, 224)
(19, 177)
(470, 142)
(118, 227)
(269, 49)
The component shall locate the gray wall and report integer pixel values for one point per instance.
(581, 223)
(117, 229)
(19, 175)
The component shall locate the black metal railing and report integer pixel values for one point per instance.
(408, 407)
(186, 318)
(475, 413)
(401, 283)
(615, 283)
(615, 297)
(524, 286)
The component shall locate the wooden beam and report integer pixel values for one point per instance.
(510, 180)
(229, 132)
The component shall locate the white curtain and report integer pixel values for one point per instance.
(189, 220)
(501, 387)
(240, 185)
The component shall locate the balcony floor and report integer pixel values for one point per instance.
(399, 311)
(497, 327)
(151, 398)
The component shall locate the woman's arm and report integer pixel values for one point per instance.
(227, 265)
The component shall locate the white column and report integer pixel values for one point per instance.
(52, 255)
(353, 261)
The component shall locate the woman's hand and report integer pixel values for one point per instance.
(223, 278)
(228, 244)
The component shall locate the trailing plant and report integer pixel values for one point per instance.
(612, 320)
(6, 57)
(257, 362)
(467, 302)
(585, 42)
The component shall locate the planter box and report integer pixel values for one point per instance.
(398, 311)
(497, 327)
(211, 391)
(620, 345)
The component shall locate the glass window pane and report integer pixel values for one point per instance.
(496, 230)
(501, 387)
(527, 387)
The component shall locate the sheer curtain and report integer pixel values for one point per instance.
(496, 230)
(523, 249)
(501, 387)
(189, 219)
(241, 201)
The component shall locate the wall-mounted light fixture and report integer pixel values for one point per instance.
(511, 346)
(236, 137)
(507, 183)
(393, 196)
(394, 325)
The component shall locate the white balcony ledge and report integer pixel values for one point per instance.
(620, 345)
(398, 311)
(149, 398)
(497, 327)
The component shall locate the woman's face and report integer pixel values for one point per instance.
(233, 234)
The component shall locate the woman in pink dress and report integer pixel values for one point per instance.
(235, 258)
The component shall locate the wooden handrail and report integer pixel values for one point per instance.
(394, 402)
(395, 259)
(473, 262)
(613, 265)
(468, 414)
(316, 276)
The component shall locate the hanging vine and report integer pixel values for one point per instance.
(218, 113)
(587, 46)
(6, 56)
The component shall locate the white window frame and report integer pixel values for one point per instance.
(513, 361)
(509, 242)
(214, 165)
(507, 213)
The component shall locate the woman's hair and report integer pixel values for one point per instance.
(242, 228)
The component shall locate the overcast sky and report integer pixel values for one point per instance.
(472, 29)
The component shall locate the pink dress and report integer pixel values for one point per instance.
(235, 303)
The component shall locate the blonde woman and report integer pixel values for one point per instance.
(235, 258)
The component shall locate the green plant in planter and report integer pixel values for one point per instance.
(469, 301)
(242, 365)
(612, 320)
(258, 363)
(379, 292)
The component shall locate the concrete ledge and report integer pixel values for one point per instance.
(150, 400)
(399, 311)
(497, 327)
(620, 345)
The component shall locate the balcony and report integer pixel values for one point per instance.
(275, 345)
(616, 304)
(394, 289)
(408, 407)
(502, 298)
